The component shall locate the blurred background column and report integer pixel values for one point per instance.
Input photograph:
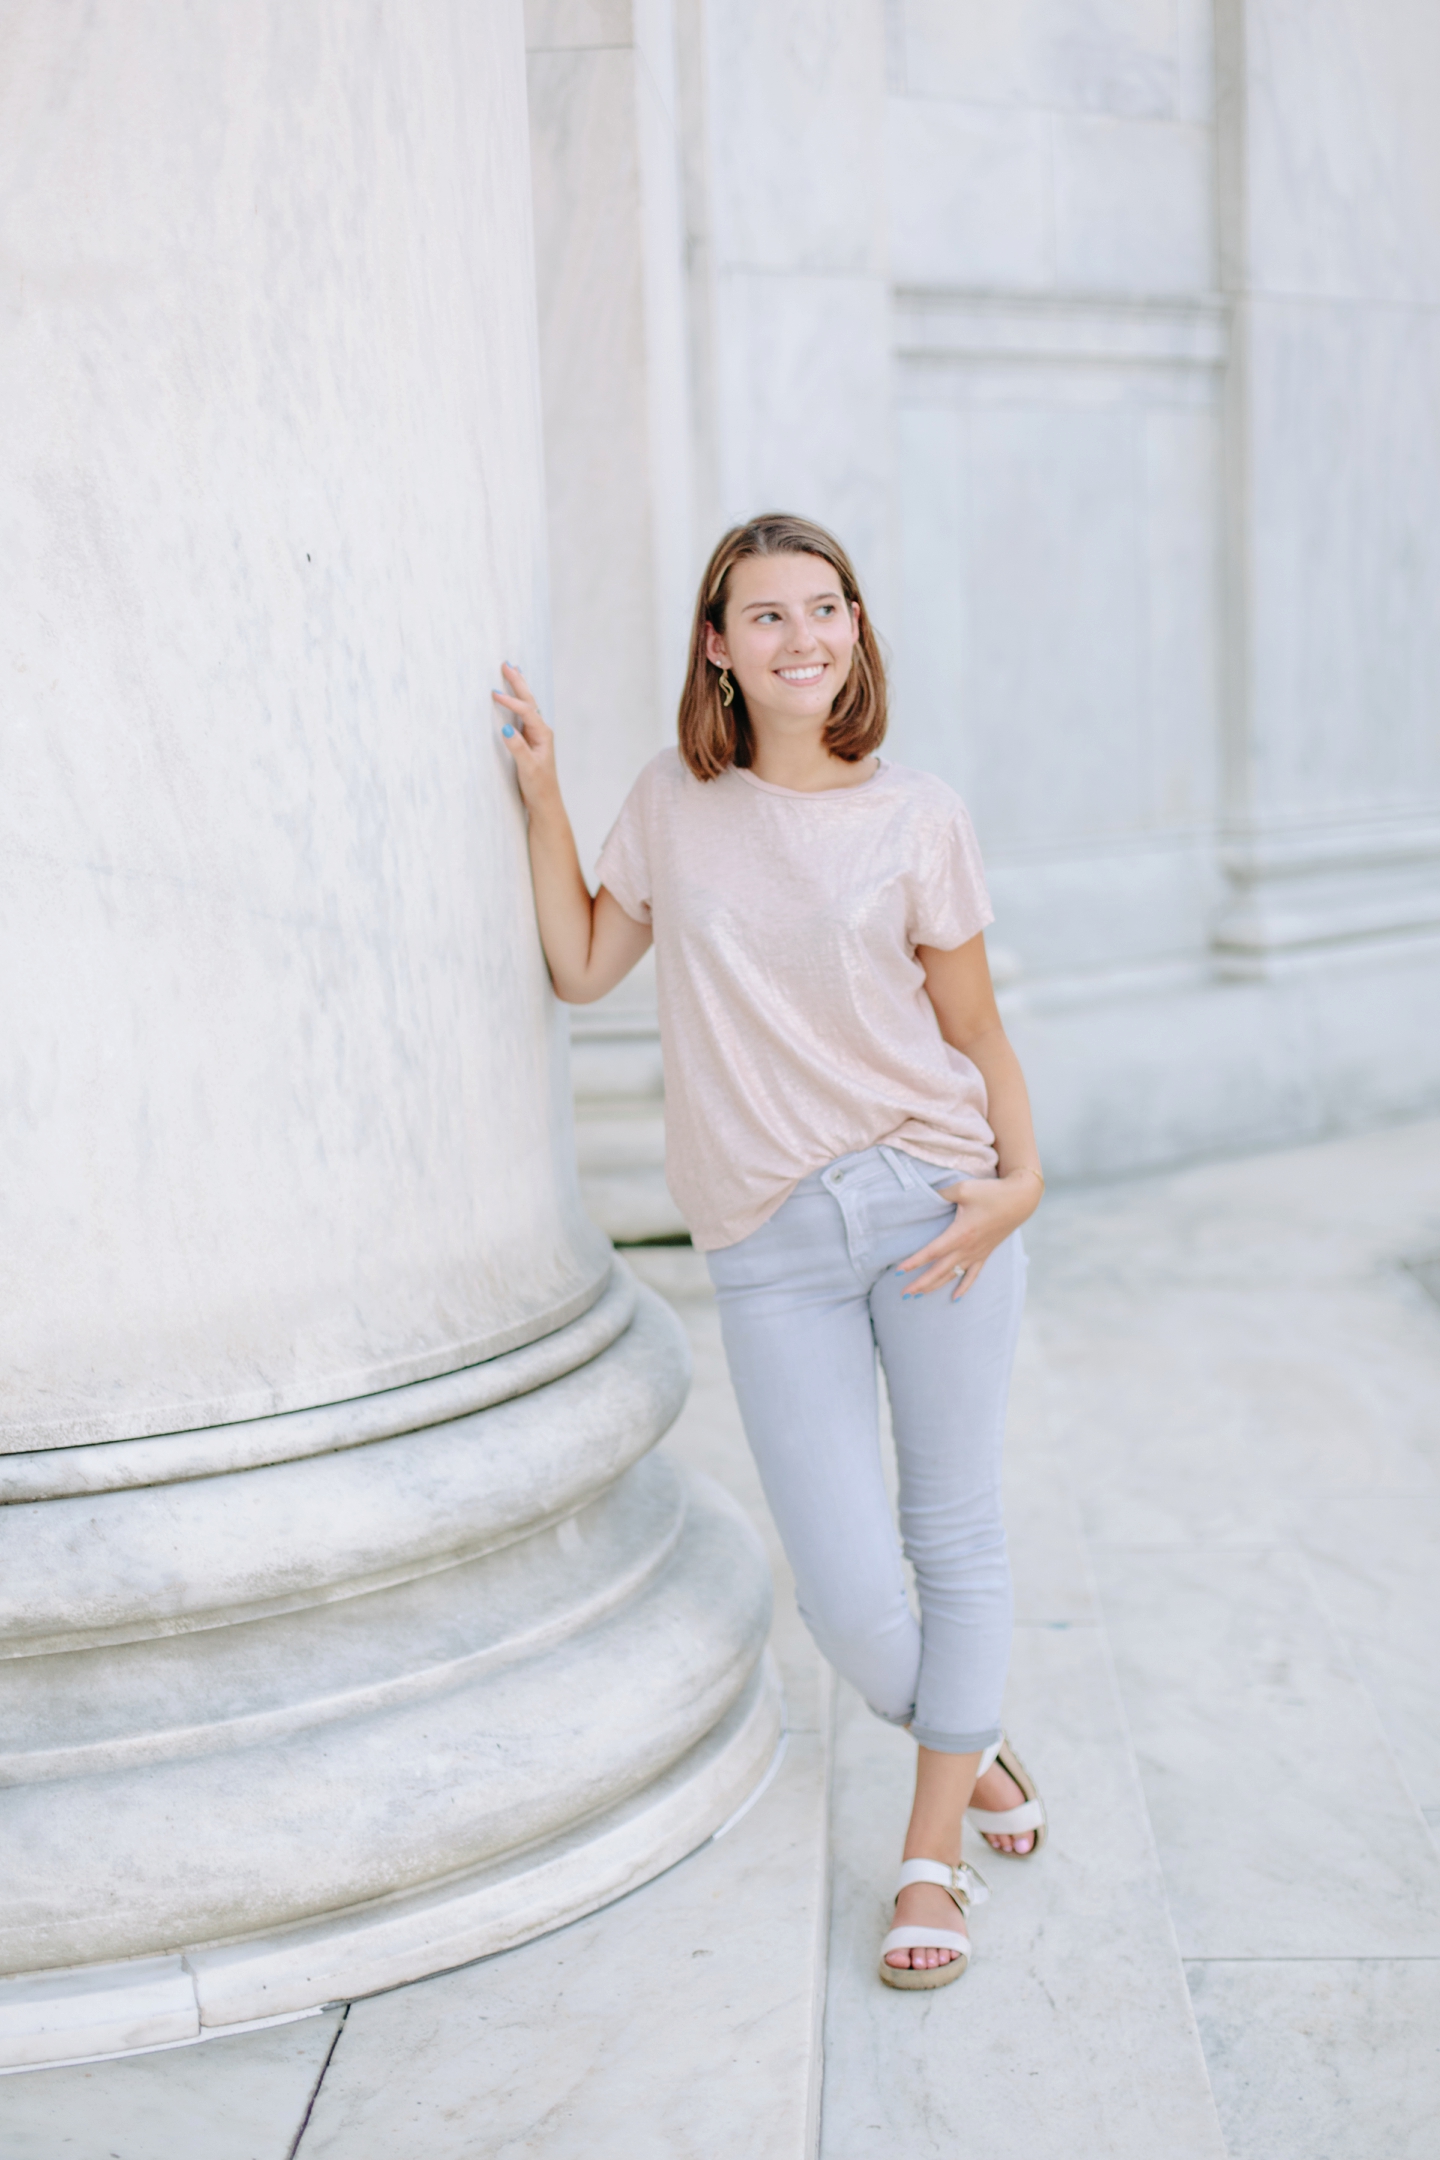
(1331, 249)
(619, 462)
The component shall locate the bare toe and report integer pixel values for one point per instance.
(996, 1792)
(922, 1905)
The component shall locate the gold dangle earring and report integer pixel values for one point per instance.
(727, 688)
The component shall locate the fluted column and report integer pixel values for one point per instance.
(348, 1627)
(1330, 171)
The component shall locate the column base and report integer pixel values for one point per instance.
(85, 2012)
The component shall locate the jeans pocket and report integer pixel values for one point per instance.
(920, 1176)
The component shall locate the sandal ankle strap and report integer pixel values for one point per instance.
(965, 1885)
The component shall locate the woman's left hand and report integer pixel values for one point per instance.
(986, 1211)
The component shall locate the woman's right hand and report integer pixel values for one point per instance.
(590, 943)
(530, 742)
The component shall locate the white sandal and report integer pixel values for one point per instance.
(966, 1888)
(1015, 1821)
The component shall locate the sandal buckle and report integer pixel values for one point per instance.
(968, 1886)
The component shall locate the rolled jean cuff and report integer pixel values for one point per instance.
(949, 1743)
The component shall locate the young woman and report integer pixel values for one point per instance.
(849, 1138)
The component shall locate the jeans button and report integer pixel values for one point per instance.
(838, 1177)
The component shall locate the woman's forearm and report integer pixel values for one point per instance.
(564, 908)
(958, 983)
(1009, 1101)
(589, 943)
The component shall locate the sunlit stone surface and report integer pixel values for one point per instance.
(349, 1627)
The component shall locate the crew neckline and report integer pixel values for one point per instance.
(823, 794)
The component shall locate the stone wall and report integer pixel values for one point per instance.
(1104, 337)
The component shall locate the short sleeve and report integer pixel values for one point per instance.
(951, 904)
(624, 863)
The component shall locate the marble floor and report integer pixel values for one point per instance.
(1224, 1494)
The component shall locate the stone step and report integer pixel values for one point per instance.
(1072, 2030)
(240, 2098)
(676, 2025)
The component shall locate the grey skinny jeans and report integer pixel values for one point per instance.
(805, 1301)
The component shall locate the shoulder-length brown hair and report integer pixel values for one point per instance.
(714, 735)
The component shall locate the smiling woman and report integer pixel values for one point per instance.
(847, 1131)
(788, 622)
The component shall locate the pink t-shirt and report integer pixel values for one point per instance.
(794, 1022)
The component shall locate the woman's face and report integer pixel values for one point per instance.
(789, 636)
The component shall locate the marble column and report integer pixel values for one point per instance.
(1331, 251)
(349, 1626)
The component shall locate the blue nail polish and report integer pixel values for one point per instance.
(507, 729)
